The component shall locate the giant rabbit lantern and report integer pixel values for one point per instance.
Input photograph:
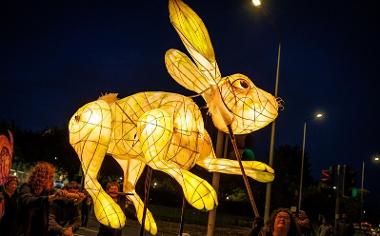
(166, 131)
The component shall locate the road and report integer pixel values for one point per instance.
(165, 228)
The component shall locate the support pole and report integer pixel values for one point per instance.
(271, 145)
(302, 164)
(182, 216)
(148, 179)
(337, 200)
(215, 184)
(246, 182)
(361, 195)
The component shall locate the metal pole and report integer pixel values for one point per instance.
(361, 194)
(343, 180)
(245, 179)
(182, 216)
(337, 199)
(148, 179)
(302, 162)
(271, 145)
(215, 184)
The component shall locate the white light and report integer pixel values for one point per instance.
(121, 178)
(227, 198)
(334, 187)
(319, 115)
(364, 212)
(55, 158)
(376, 158)
(155, 184)
(256, 3)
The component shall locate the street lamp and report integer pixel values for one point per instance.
(316, 116)
(257, 4)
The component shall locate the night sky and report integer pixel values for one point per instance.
(58, 55)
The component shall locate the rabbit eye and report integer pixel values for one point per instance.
(241, 84)
(244, 84)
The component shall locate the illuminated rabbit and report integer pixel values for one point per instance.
(166, 131)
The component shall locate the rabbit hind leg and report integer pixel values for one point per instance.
(155, 130)
(133, 169)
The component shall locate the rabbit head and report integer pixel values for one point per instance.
(232, 100)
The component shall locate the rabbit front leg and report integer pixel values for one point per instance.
(155, 130)
(133, 169)
(90, 132)
(254, 169)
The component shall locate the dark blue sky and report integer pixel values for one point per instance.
(58, 55)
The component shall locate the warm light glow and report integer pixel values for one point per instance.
(166, 130)
(319, 115)
(376, 159)
(256, 3)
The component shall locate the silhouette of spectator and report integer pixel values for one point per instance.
(8, 222)
(64, 217)
(345, 227)
(325, 229)
(86, 207)
(304, 224)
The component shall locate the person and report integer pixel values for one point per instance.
(86, 207)
(325, 229)
(112, 188)
(64, 217)
(8, 222)
(345, 227)
(303, 223)
(281, 223)
(34, 198)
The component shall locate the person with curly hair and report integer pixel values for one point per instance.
(34, 198)
(281, 223)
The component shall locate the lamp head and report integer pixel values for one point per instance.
(319, 115)
(256, 3)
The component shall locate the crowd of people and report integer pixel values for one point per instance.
(284, 222)
(36, 208)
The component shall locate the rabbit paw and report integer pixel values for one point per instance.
(198, 192)
(150, 224)
(108, 212)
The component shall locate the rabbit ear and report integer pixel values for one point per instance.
(185, 72)
(194, 36)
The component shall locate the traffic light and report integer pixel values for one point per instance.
(349, 180)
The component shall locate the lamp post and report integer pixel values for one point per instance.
(316, 116)
(257, 4)
(374, 159)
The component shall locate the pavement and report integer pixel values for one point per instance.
(165, 228)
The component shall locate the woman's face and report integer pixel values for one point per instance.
(11, 186)
(282, 222)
